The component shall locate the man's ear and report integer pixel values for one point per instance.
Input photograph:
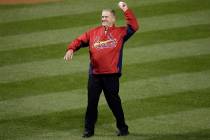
(114, 19)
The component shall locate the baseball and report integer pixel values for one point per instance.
(121, 4)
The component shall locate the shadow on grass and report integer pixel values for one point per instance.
(134, 109)
(197, 135)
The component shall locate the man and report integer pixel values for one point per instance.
(105, 47)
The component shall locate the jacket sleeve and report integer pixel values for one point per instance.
(132, 24)
(81, 41)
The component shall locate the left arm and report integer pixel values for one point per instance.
(132, 24)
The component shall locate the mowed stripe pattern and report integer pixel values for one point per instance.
(165, 87)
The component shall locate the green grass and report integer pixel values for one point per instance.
(46, 85)
(165, 86)
(60, 22)
(149, 107)
(171, 35)
(163, 22)
(148, 38)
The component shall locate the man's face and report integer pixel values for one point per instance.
(107, 18)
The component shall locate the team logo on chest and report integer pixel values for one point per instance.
(110, 42)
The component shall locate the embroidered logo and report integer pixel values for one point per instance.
(109, 43)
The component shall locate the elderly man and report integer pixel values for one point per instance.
(105, 48)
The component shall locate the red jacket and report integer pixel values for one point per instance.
(106, 49)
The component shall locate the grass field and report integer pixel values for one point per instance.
(165, 87)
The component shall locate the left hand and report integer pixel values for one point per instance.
(122, 5)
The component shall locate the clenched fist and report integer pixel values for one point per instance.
(122, 5)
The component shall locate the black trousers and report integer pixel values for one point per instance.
(109, 84)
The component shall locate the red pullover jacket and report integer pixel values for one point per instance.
(106, 49)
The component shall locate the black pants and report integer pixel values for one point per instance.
(110, 85)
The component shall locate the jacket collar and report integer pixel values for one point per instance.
(109, 28)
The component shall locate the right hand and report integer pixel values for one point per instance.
(69, 55)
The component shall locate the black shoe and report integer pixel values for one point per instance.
(87, 134)
(122, 133)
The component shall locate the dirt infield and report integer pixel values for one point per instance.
(25, 1)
